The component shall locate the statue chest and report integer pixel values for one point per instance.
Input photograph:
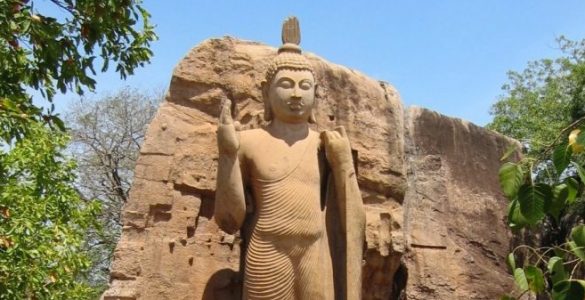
(274, 161)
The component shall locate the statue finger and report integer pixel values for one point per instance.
(238, 126)
(325, 136)
(334, 135)
(225, 116)
(341, 131)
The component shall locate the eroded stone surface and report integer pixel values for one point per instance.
(448, 231)
(455, 215)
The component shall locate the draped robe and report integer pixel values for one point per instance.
(288, 255)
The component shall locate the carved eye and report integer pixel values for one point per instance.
(285, 84)
(306, 84)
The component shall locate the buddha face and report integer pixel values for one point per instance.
(292, 95)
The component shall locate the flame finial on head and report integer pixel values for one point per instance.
(291, 31)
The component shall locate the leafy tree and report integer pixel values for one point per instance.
(49, 53)
(106, 138)
(551, 206)
(42, 220)
(543, 99)
(544, 108)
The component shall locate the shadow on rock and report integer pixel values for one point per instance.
(224, 284)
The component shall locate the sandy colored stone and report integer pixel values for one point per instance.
(455, 214)
(291, 191)
(431, 244)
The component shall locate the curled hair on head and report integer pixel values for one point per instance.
(288, 61)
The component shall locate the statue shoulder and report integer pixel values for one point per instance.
(249, 138)
(314, 134)
(252, 134)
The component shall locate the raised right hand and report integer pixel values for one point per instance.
(337, 148)
(228, 141)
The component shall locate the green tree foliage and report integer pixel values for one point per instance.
(43, 220)
(542, 107)
(106, 137)
(551, 205)
(49, 53)
(543, 99)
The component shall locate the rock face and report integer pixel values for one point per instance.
(455, 217)
(435, 216)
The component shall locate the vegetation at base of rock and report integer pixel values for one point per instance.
(43, 220)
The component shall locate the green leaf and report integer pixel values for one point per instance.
(520, 279)
(560, 195)
(560, 252)
(535, 278)
(581, 138)
(573, 189)
(507, 297)
(515, 217)
(533, 199)
(511, 262)
(578, 235)
(58, 122)
(568, 290)
(578, 251)
(580, 171)
(562, 157)
(556, 269)
(511, 176)
(511, 149)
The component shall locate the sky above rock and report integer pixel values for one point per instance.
(449, 56)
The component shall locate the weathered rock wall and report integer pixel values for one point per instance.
(444, 238)
(455, 216)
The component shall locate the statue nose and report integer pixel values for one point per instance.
(296, 94)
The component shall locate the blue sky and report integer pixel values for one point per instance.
(449, 56)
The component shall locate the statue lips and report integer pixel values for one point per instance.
(295, 105)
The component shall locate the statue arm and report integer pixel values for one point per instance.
(339, 156)
(351, 208)
(230, 206)
(353, 218)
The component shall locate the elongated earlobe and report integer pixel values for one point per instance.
(267, 111)
(267, 108)
(312, 118)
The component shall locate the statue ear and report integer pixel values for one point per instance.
(312, 118)
(267, 108)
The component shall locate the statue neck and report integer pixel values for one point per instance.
(289, 132)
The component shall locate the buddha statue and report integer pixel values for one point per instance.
(291, 190)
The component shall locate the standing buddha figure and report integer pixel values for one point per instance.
(305, 219)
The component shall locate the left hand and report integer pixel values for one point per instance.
(337, 148)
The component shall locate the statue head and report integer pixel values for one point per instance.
(289, 86)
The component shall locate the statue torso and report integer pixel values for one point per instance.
(285, 181)
(287, 248)
(267, 157)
